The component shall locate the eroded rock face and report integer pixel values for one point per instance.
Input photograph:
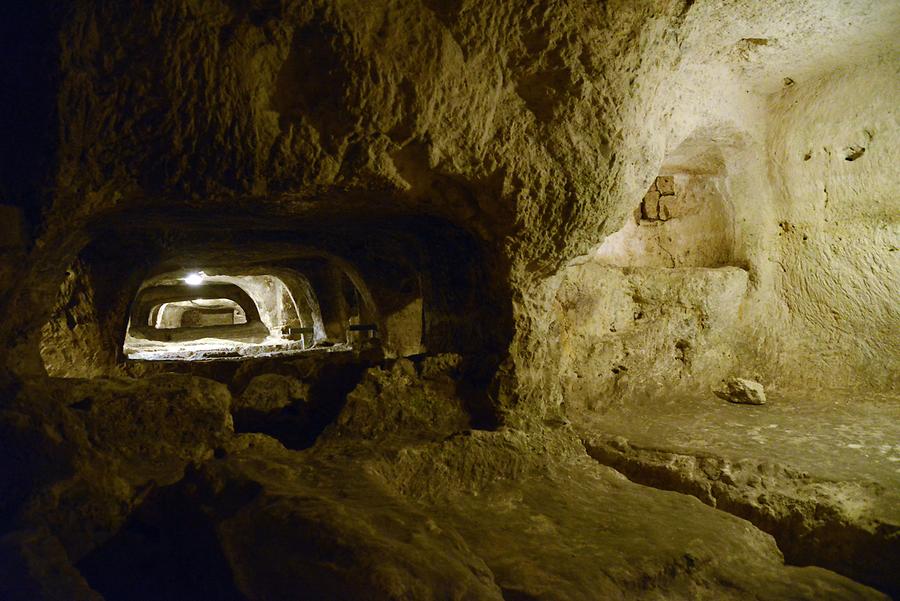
(641, 331)
(79, 455)
(397, 499)
(270, 392)
(481, 165)
(832, 196)
(74, 341)
(34, 565)
(398, 401)
(814, 521)
(482, 516)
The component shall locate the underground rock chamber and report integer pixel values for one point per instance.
(432, 300)
(205, 314)
(110, 315)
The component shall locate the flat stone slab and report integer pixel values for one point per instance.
(838, 436)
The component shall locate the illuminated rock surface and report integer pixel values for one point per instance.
(741, 391)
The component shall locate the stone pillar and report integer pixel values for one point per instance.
(327, 283)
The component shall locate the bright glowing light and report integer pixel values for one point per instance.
(194, 279)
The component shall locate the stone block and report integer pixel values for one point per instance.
(666, 207)
(650, 205)
(666, 185)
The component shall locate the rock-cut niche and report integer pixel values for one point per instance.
(685, 219)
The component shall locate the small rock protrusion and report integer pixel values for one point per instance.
(666, 185)
(271, 392)
(650, 206)
(404, 367)
(741, 391)
(659, 200)
(665, 208)
(620, 443)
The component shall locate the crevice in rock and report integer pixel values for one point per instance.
(298, 424)
(167, 550)
(814, 522)
(851, 153)
(326, 399)
(516, 595)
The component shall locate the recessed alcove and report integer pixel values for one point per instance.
(685, 218)
(652, 306)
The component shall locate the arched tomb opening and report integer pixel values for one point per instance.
(208, 314)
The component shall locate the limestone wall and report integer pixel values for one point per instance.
(531, 131)
(835, 147)
(74, 342)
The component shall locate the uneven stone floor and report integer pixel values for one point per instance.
(820, 472)
(398, 498)
(501, 515)
(830, 435)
